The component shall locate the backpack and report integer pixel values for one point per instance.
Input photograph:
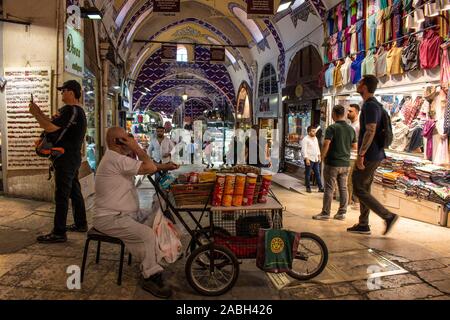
(46, 148)
(386, 136)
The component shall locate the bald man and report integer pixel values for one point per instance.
(117, 212)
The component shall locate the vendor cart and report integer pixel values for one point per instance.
(221, 236)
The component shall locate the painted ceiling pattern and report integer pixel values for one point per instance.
(194, 107)
(214, 77)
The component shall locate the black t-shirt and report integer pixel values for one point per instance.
(73, 139)
(371, 113)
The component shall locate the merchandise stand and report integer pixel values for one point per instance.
(233, 233)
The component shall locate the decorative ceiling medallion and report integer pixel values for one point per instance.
(187, 32)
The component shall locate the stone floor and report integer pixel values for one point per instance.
(413, 262)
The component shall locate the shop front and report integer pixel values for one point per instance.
(244, 109)
(413, 88)
(268, 104)
(301, 107)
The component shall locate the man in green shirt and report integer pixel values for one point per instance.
(340, 138)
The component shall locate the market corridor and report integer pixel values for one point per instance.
(414, 261)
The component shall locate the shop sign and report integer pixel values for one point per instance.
(166, 7)
(73, 52)
(260, 8)
(268, 106)
(217, 55)
(168, 53)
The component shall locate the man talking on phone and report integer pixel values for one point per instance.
(117, 210)
(67, 165)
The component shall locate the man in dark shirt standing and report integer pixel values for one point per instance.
(340, 138)
(67, 165)
(370, 155)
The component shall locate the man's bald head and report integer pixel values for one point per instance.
(114, 133)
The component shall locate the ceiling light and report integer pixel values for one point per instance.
(91, 13)
(116, 87)
(284, 5)
(147, 89)
(185, 97)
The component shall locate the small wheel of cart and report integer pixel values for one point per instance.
(212, 270)
(203, 236)
(311, 257)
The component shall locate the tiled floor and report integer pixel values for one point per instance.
(411, 263)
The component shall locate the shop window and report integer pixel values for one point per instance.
(182, 54)
(268, 82)
(91, 110)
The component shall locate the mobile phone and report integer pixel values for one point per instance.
(32, 100)
(119, 142)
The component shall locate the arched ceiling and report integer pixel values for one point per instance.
(219, 22)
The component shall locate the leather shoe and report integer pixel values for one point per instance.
(52, 238)
(74, 228)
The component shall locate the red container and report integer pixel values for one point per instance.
(265, 186)
(227, 200)
(249, 192)
(193, 178)
(218, 190)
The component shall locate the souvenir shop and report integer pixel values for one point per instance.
(244, 109)
(404, 44)
(301, 107)
(143, 125)
(268, 104)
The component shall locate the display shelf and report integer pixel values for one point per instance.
(410, 207)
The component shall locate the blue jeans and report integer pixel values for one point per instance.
(315, 166)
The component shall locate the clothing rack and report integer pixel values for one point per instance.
(383, 44)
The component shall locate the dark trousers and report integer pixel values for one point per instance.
(315, 166)
(68, 187)
(362, 183)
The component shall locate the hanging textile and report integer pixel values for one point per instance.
(393, 61)
(368, 64)
(380, 27)
(337, 76)
(346, 71)
(380, 63)
(356, 68)
(340, 18)
(388, 13)
(372, 27)
(447, 116)
(445, 69)
(410, 55)
(429, 49)
(428, 135)
(354, 40)
(361, 37)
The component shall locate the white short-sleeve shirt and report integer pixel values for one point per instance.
(115, 190)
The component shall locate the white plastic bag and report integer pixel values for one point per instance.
(168, 237)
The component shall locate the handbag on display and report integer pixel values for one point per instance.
(276, 250)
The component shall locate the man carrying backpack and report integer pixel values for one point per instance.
(375, 135)
(68, 128)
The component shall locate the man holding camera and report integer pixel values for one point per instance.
(67, 165)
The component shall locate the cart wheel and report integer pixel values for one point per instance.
(203, 234)
(311, 257)
(212, 270)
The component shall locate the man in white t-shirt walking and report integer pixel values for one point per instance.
(117, 212)
(353, 117)
(311, 155)
(160, 147)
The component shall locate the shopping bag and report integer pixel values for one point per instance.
(168, 237)
(276, 249)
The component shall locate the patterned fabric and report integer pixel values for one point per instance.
(380, 27)
(356, 68)
(368, 65)
(447, 115)
(388, 13)
(380, 64)
(410, 55)
(372, 26)
(361, 34)
(337, 77)
(393, 61)
(428, 134)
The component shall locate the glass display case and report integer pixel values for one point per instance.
(90, 107)
(298, 120)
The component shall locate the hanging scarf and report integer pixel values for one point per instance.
(428, 133)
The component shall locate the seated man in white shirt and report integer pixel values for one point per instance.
(117, 211)
(311, 155)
